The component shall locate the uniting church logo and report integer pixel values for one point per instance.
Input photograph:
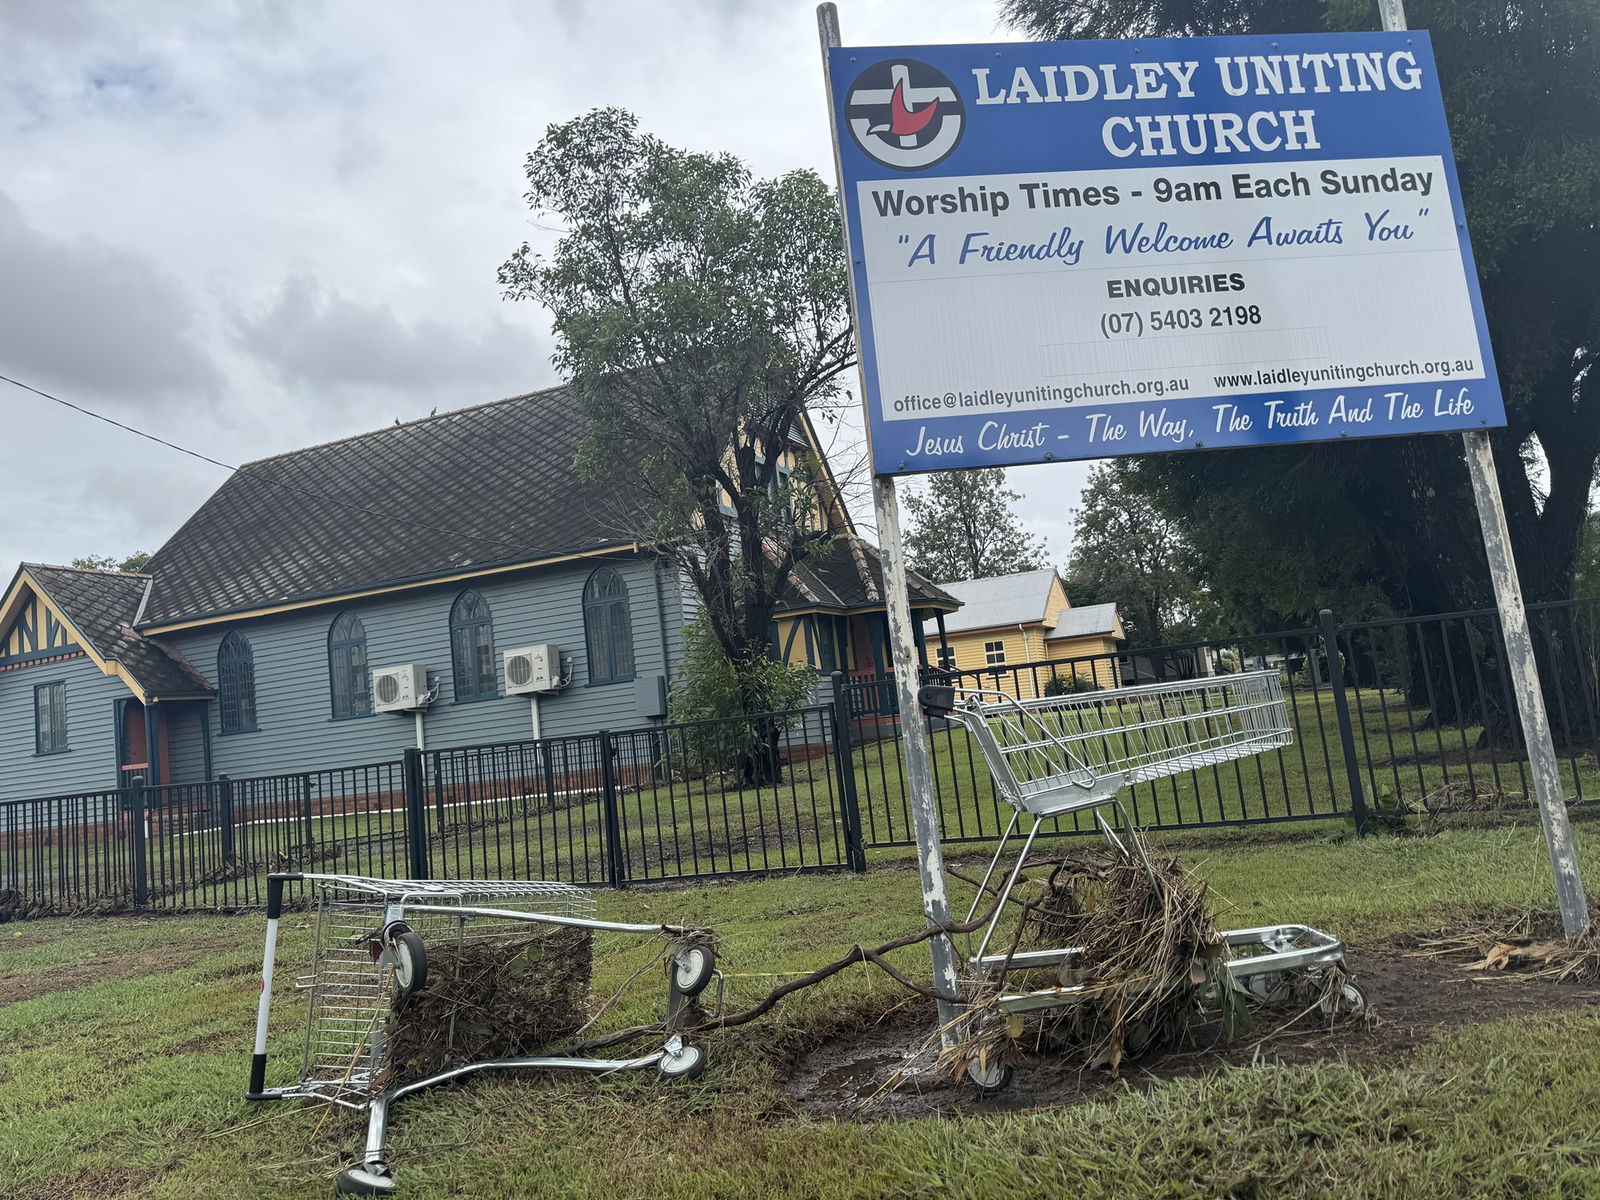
(905, 114)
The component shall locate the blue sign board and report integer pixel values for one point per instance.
(1068, 250)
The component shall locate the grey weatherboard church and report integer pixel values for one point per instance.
(248, 644)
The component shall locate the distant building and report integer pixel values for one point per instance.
(418, 554)
(1022, 632)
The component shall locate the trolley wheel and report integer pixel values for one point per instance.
(1265, 986)
(693, 968)
(687, 1062)
(410, 961)
(1350, 1002)
(358, 1181)
(989, 1077)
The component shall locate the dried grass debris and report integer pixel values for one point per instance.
(505, 997)
(1150, 953)
(1522, 944)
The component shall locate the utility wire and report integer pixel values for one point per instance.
(253, 478)
(110, 421)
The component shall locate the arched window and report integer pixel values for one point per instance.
(236, 684)
(607, 627)
(347, 668)
(472, 648)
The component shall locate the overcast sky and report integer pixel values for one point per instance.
(249, 227)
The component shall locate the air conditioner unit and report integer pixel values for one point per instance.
(400, 689)
(533, 669)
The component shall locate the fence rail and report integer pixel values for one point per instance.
(1406, 716)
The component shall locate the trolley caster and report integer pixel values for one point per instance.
(1265, 987)
(989, 1077)
(681, 1061)
(693, 968)
(360, 1181)
(410, 960)
(1350, 1001)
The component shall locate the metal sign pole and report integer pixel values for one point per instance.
(902, 642)
(1519, 647)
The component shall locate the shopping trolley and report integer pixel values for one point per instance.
(1055, 756)
(371, 951)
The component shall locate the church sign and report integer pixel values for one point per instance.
(1070, 250)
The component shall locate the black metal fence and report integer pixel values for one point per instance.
(1392, 717)
(1417, 716)
(681, 801)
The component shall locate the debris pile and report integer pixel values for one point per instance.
(1150, 954)
(505, 997)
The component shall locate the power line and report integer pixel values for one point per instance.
(240, 473)
(111, 421)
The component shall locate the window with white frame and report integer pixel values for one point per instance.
(994, 653)
(947, 658)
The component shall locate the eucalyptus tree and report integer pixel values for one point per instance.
(698, 312)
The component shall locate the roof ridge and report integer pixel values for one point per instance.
(436, 416)
(860, 559)
(88, 570)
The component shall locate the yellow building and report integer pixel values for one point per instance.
(831, 613)
(1017, 633)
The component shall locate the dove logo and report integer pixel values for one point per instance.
(905, 114)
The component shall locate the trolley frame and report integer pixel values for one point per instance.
(361, 1086)
(1058, 755)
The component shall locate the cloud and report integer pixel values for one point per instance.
(309, 335)
(292, 214)
(96, 319)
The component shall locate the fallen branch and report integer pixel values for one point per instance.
(857, 954)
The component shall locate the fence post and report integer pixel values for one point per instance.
(416, 822)
(1341, 711)
(845, 769)
(225, 804)
(137, 804)
(305, 815)
(616, 867)
(547, 760)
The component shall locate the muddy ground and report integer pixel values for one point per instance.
(873, 1075)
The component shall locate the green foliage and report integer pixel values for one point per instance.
(105, 562)
(963, 527)
(737, 695)
(697, 311)
(1068, 685)
(1388, 526)
(1586, 578)
(1128, 552)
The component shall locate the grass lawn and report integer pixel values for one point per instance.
(124, 1049)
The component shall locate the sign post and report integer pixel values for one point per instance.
(902, 647)
(1570, 895)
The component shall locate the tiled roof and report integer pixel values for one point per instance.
(102, 606)
(475, 488)
(848, 575)
(1087, 621)
(1000, 600)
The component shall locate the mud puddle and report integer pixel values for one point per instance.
(887, 1072)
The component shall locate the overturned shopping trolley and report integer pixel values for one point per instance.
(374, 939)
(1059, 755)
